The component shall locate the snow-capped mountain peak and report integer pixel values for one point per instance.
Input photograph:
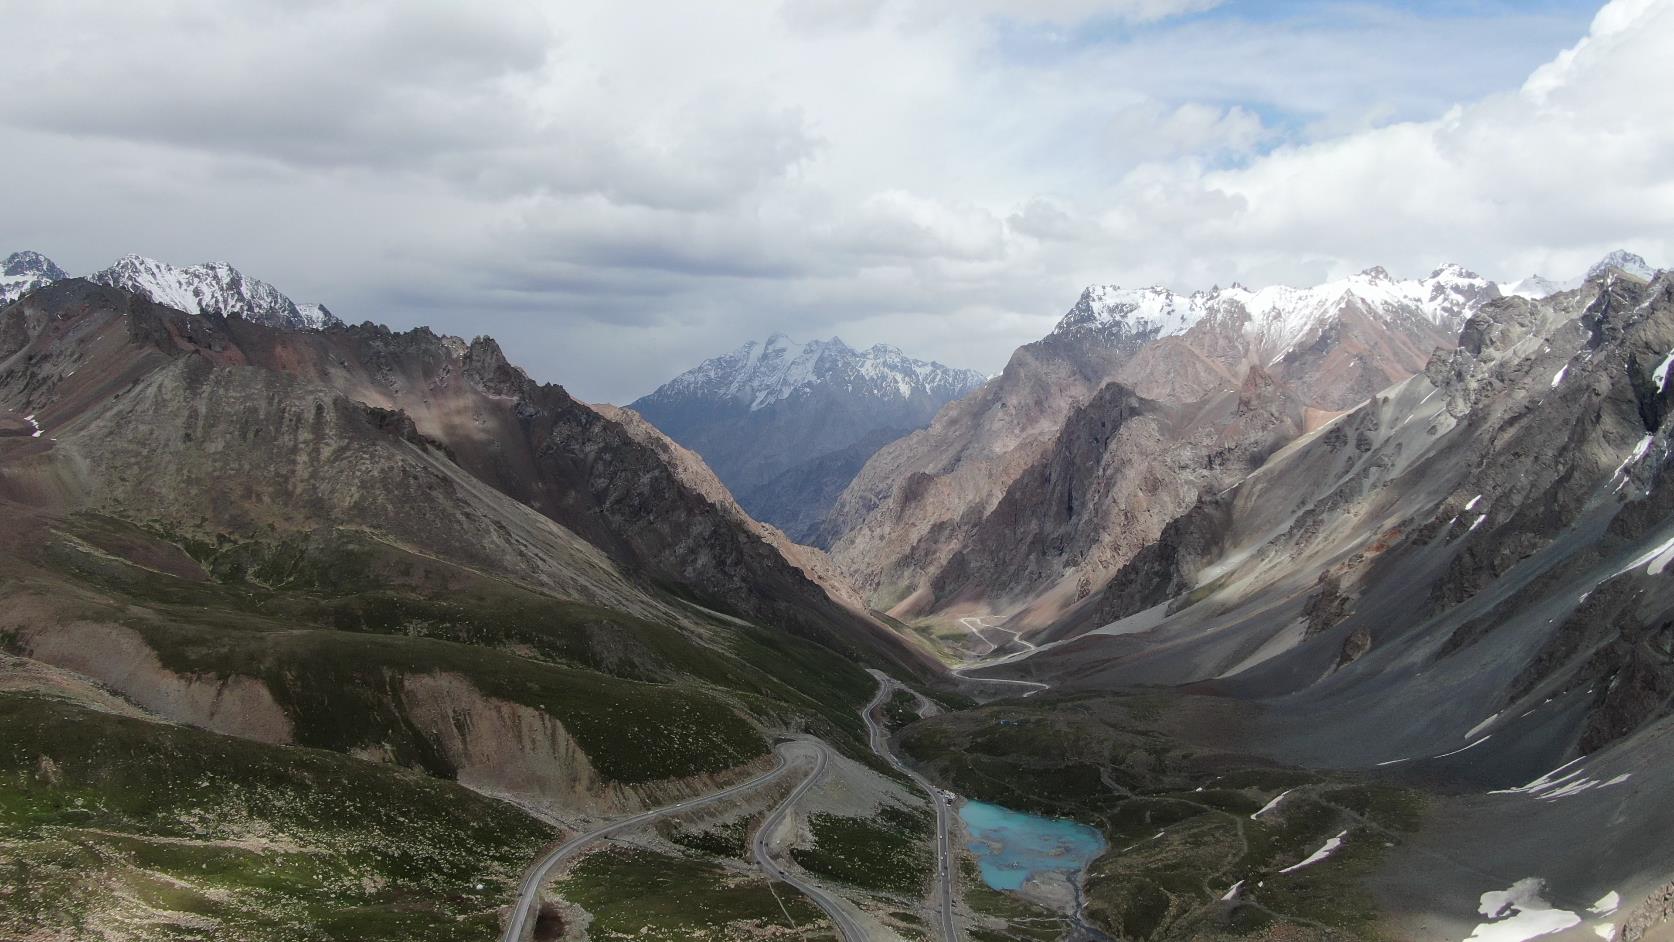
(1116, 314)
(1278, 317)
(213, 287)
(1622, 260)
(1536, 287)
(210, 288)
(25, 271)
(23, 263)
(761, 374)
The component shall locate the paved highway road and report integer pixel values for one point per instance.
(848, 928)
(944, 811)
(529, 892)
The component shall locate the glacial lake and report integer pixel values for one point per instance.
(1012, 846)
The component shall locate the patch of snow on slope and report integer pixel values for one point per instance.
(1270, 805)
(1558, 377)
(1318, 855)
(1545, 781)
(1469, 747)
(1661, 560)
(1552, 785)
(1607, 904)
(1660, 374)
(1481, 726)
(1637, 453)
(1658, 558)
(1520, 912)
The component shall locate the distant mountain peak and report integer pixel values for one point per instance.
(25, 271)
(212, 288)
(19, 264)
(760, 375)
(1278, 314)
(1622, 260)
(786, 425)
(209, 288)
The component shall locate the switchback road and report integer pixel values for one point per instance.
(943, 805)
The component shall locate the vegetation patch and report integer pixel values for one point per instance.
(888, 853)
(633, 893)
(154, 830)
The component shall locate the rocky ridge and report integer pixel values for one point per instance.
(913, 508)
(210, 288)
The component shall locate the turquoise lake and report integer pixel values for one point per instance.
(1011, 846)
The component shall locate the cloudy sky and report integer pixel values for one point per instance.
(617, 190)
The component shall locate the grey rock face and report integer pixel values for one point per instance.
(786, 427)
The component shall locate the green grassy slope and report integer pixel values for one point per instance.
(165, 832)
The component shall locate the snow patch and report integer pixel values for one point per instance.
(1520, 912)
(1655, 560)
(1270, 805)
(1482, 725)
(1660, 374)
(1469, 747)
(1607, 904)
(1318, 855)
(1638, 453)
(1552, 786)
(1558, 377)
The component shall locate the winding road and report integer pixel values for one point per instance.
(841, 916)
(944, 812)
(976, 629)
(528, 893)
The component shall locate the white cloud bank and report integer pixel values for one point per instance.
(617, 190)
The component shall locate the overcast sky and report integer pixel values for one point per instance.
(617, 190)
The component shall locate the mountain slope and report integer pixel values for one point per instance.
(915, 506)
(785, 427)
(399, 547)
(1424, 648)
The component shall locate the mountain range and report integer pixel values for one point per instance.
(787, 426)
(210, 288)
(1459, 586)
(1213, 381)
(1329, 613)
